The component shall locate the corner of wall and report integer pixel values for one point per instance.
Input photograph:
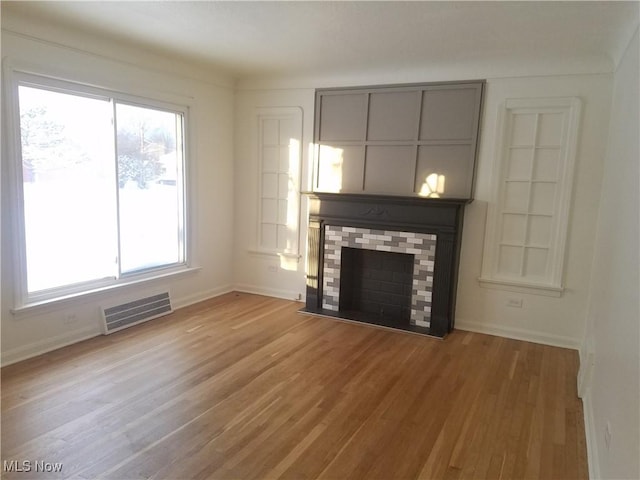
(590, 434)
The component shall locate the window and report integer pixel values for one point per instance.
(279, 151)
(100, 185)
(528, 221)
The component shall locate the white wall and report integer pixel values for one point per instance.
(610, 367)
(211, 162)
(558, 321)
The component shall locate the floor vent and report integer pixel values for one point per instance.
(138, 311)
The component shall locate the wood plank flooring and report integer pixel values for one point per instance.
(244, 387)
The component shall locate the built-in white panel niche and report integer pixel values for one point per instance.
(279, 156)
(529, 217)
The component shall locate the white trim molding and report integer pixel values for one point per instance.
(528, 217)
(49, 344)
(517, 334)
(590, 434)
(93, 329)
(522, 287)
(270, 292)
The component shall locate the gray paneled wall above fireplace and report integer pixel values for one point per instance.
(410, 140)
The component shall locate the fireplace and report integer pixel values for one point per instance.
(382, 279)
(376, 283)
(390, 261)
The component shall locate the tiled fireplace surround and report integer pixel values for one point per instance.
(422, 246)
(428, 229)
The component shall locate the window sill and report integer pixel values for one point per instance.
(58, 302)
(522, 287)
(271, 253)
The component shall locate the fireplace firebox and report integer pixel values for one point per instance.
(385, 260)
(377, 284)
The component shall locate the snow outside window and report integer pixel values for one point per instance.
(101, 187)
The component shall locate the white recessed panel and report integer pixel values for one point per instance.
(279, 148)
(269, 185)
(285, 160)
(523, 128)
(269, 210)
(283, 186)
(270, 129)
(535, 262)
(516, 196)
(283, 237)
(543, 198)
(546, 165)
(287, 131)
(519, 163)
(539, 230)
(268, 236)
(550, 129)
(510, 260)
(549, 126)
(270, 159)
(282, 212)
(514, 228)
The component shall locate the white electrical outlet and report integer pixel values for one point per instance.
(514, 302)
(70, 318)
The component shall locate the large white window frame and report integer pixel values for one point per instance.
(23, 300)
(521, 226)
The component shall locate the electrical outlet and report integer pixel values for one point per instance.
(514, 302)
(607, 436)
(70, 318)
(272, 269)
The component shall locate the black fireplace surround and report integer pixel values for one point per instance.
(440, 217)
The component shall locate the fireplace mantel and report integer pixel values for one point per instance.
(442, 217)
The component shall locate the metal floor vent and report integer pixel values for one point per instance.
(138, 311)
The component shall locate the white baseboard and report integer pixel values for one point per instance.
(34, 349)
(270, 292)
(585, 372)
(201, 296)
(590, 433)
(518, 334)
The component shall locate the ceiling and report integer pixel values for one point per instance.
(282, 38)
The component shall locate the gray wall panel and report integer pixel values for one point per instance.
(393, 115)
(448, 114)
(389, 169)
(451, 161)
(343, 117)
(392, 137)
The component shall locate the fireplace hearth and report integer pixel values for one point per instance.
(385, 260)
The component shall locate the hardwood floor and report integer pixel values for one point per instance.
(245, 387)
